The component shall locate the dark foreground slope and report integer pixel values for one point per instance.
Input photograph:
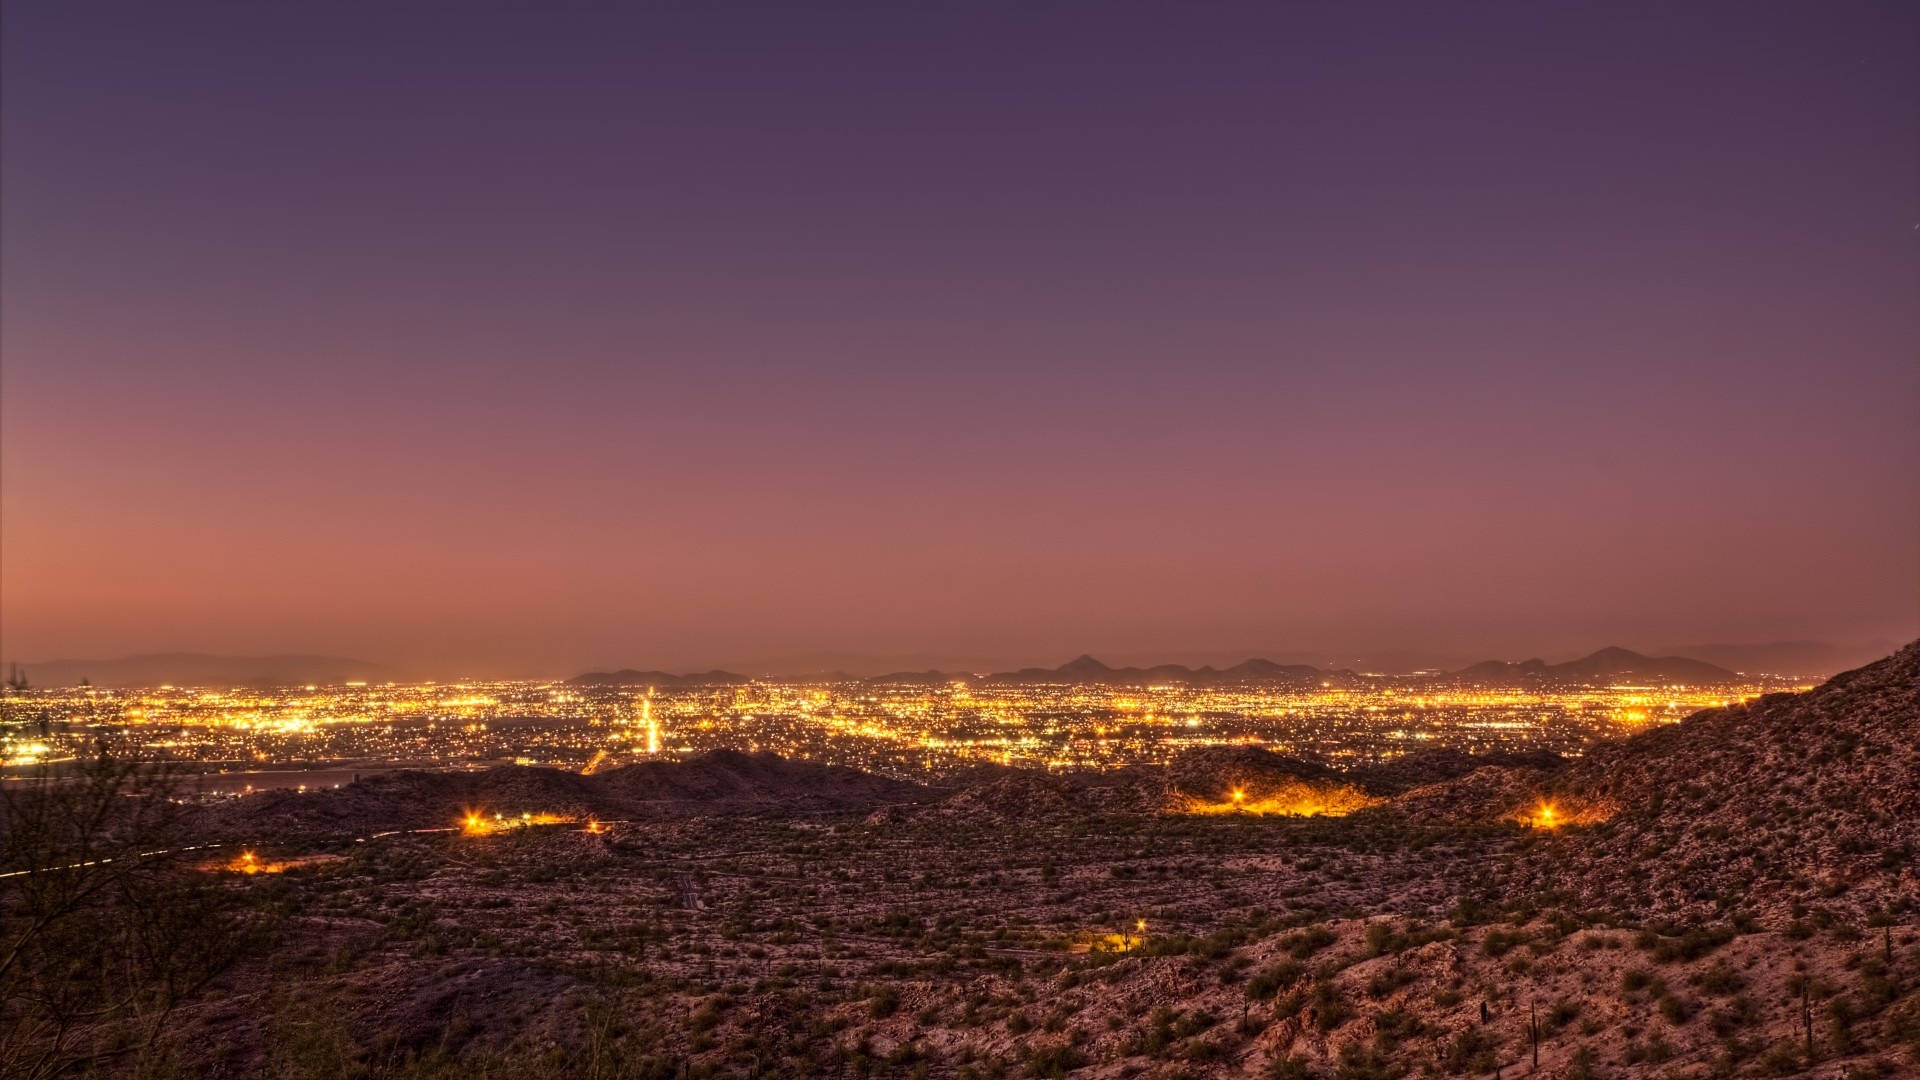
(1769, 806)
(1788, 800)
(718, 782)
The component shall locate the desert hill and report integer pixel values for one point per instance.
(1785, 800)
(1788, 797)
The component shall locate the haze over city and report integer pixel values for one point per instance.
(494, 346)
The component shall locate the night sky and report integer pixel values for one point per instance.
(526, 338)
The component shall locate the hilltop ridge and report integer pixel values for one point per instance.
(1610, 663)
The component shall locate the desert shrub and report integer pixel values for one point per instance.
(1289, 1068)
(1359, 1062)
(1559, 1015)
(1655, 1049)
(1499, 942)
(1386, 982)
(1330, 1010)
(1718, 980)
(1204, 1051)
(1304, 943)
(1384, 937)
(1782, 1060)
(1471, 912)
(1840, 1018)
(1392, 1026)
(105, 933)
(1687, 945)
(1264, 985)
(1472, 1050)
(1878, 988)
(1193, 1023)
(1055, 1061)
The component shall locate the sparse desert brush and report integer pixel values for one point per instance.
(1472, 1050)
(1718, 980)
(1384, 983)
(1304, 943)
(1498, 942)
(1289, 1068)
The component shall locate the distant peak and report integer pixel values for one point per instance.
(1614, 653)
(1610, 662)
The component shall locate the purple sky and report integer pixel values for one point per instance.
(539, 337)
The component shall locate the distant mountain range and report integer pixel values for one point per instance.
(1086, 670)
(1612, 664)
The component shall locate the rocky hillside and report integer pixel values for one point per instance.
(1790, 804)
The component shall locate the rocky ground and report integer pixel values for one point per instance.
(1735, 895)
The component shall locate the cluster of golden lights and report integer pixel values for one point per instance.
(1287, 800)
(476, 823)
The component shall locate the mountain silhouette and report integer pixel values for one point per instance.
(1609, 664)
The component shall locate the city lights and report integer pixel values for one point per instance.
(906, 730)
